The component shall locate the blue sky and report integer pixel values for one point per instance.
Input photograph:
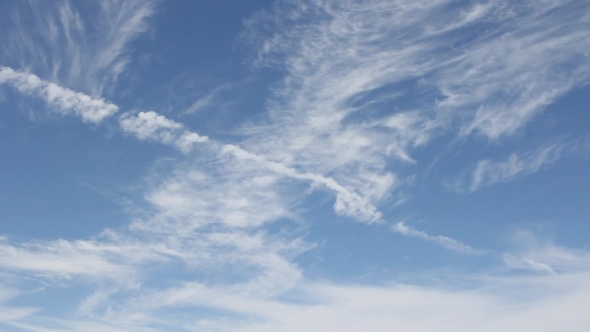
(300, 165)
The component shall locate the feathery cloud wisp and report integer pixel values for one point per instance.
(488, 172)
(443, 241)
(544, 256)
(81, 48)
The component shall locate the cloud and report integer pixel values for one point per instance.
(13, 314)
(342, 60)
(517, 263)
(544, 256)
(208, 100)
(529, 303)
(411, 308)
(152, 126)
(91, 259)
(216, 212)
(489, 172)
(526, 303)
(443, 241)
(155, 127)
(245, 197)
(249, 263)
(347, 202)
(224, 222)
(366, 84)
(68, 44)
(144, 125)
(64, 100)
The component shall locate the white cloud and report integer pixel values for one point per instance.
(443, 241)
(193, 198)
(144, 125)
(326, 126)
(62, 263)
(83, 49)
(529, 303)
(352, 49)
(111, 257)
(215, 213)
(347, 202)
(208, 100)
(489, 172)
(63, 100)
(153, 126)
(12, 314)
(367, 83)
(407, 308)
(518, 263)
(545, 256)
(150, 125)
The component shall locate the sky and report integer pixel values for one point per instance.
(295, 165)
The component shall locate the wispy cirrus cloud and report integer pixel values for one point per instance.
(342, 58)
(81, 45)
(368, 83)
(108, 257)
(489, 172)
(14, 314)
(443, 241)
(546, 256)
(321, 140)
(519, 263)
(209, 100)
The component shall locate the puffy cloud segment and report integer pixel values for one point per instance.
(152, 126)
(145, 125)
(64, 100)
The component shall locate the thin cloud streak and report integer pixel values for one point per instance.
(443, 241)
